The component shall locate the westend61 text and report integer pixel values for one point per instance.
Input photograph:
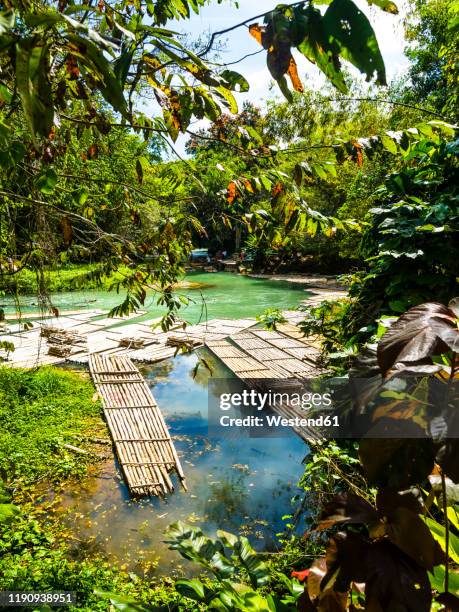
(271, 420)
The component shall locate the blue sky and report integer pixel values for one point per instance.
(215, 17)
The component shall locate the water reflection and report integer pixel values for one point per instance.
(240, 485)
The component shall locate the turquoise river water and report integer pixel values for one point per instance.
(218, 295)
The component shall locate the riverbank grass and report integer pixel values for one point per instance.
(42, 411)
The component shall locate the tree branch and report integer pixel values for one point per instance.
(239, 25)
(393, 102)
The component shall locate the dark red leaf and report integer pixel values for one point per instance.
(419, 334)
(304, 603)
(396, 456)
(409, 533)
(347, 551)
(387, 500)
(316, 574)
(347, 508)
(393, 581)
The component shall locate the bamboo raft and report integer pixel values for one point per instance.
(142, 440)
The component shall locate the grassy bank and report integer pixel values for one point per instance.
(40, 413)
(71, 277)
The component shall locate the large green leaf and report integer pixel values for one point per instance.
(348, 27)
(439, 533)
(235, 81)
(100, 69)
(437, 579)
(317, 48)
(8, 512)
(194, 589)
(195, 546)
(228, 99)
(256, 568)
(47, 181)
(32, 67)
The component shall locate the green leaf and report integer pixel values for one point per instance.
(437, 579)
(229, 99)
(228, 539)
(283, 86)
(81, 195)
(123, 63)
(235, 81)
(348, 27)
(32, 66)
(386, 5)
(193, 589)
(318, 50)
(101, 70)
(439, 533)
(389, 144)
(8, 512)
(142, 165)
(251, 561)
(47, 182)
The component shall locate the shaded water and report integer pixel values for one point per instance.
(221, 295)
(240, 485)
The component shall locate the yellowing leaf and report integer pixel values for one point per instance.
(231, 192)
(294, 77)
(257, 32)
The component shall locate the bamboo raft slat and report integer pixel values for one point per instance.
(275, 358)
(239, 362)
(142, 440)
(294, 347)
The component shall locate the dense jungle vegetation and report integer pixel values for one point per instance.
(355, 179)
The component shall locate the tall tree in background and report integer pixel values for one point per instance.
(431, 29)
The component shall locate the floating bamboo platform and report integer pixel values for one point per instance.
(142, 440)
(254, 361)
(277, 358)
